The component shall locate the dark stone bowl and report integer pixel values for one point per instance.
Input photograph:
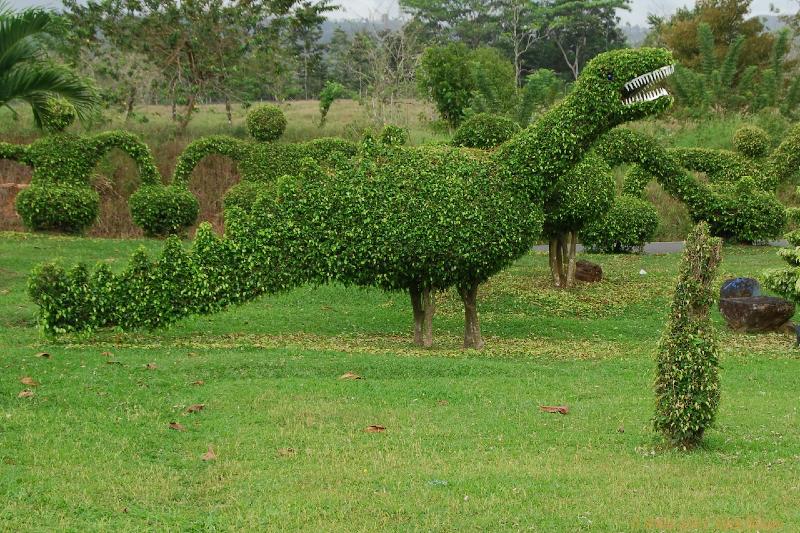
(756, 314)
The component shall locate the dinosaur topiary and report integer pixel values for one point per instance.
(60, 196)
(628, 225)
(485, 130)
(581, 197)
(260, 162)
(744, 212)
(412, 219)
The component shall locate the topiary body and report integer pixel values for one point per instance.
(266, 123)
(628, 225)
(415, 219)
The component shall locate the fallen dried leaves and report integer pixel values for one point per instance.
(151, 366)
(44, 355)
(177, 426)
(27, 393)
(286, 452)
(198, 382)
(375, 429)
(350, 376)
(561, 409)
(209, 455)
(29, 381)
(196, 408)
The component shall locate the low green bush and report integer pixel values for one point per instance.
(266, 123)
(58, 207)
(485, 131)
(628, 225)
(161, 210)
(751, 141)
(687, 375)
(394, 135)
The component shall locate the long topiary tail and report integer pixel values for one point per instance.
(211, 275)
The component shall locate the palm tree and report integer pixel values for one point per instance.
(25, 72)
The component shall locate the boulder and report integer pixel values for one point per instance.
(754, 314)
(740, 288)
(587, 271)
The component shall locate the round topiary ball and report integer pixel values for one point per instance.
(163, 210)
(485, 131)
(394, 135)
(60, 115)
(266, 123)
(58, 207)
(630, 224)
(751, 141)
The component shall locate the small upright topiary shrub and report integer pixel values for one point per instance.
(392, 135)
(485, 131)
(628, 225)
(266, 123)
(751, 141)
(687, 380)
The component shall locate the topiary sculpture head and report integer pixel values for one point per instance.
(751, 141)
(59, 115)
(266, 123)
(485, 131)
(622, 85)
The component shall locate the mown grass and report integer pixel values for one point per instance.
(465, 448)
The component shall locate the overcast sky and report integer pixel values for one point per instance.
(373, 9)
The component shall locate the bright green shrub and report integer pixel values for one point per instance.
(784, 162)
(494, 82)
(485, 131)
(687, 375)
(393, 135)
(58, 207)
(723, 166)
(160, 210)
(580, 197)
(744, 213)
(628, 225)
(266, 123)
(751, 141)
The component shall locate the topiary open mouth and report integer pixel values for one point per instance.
(645, 88)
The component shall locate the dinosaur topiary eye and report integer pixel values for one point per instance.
(610, 76)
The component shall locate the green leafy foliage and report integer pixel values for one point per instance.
(60, 115)
(485, 131)
(687, 375)
(58, 207)
(628, 225)
(415, 219)
(392, 135)
(744, 212)
(161, 210)
(444, 76)
(751, 141)
(60, 196)
(581, 197)
(784, 281)
(542, 89)
(330, 92)
(266, 123)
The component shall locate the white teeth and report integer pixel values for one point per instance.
(644, 80)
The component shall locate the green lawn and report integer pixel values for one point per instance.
(465, 448)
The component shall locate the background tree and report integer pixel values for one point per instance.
(306, 31)
(581, 29)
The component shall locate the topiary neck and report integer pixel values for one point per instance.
(539, 155)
